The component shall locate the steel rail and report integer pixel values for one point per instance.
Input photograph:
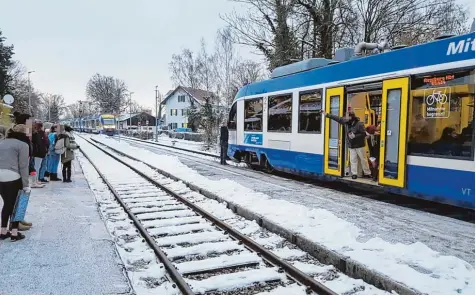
(292, 271)
(176, 276)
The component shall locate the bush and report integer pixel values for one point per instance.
(195, 137)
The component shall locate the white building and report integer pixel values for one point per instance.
(177, 102)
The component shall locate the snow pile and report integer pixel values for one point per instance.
(415, 265)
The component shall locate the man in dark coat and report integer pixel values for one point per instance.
(223, 144)
(40, 149)
(355, 139)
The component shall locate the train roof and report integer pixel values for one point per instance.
(448, 50)
(94, 116)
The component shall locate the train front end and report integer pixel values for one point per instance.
(108, 125)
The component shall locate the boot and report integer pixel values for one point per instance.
(54, 177)
(68, 176)
(64, 176)
(26, 223)
(47, 174)
(23, 227)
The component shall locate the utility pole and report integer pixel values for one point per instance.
(130, 108)
(29, 93)
(156, 116)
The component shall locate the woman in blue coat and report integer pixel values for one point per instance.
(53, 158)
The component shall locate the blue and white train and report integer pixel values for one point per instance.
(96, 124)
(423, 97)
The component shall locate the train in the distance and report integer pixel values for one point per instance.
(422, 96)
(96, 124)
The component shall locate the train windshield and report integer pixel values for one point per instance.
(108, 121)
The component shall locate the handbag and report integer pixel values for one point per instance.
(21, 204)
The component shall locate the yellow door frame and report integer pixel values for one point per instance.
(402, 85)
(331, 92)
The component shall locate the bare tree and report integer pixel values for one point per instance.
(74, 110)
(269, 28)
(315, 28)
(246, 72)
(185, 69)
(107, 93)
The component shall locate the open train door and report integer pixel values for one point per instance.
(333, 132)
(393, 138)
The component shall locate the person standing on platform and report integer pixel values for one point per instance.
(40, 148)
(223, 144)
(355, 136)
(21, 119)
(66, 145)
(14, 176)
(53, 157)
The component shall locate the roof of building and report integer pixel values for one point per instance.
(198, 94)
(126, 116)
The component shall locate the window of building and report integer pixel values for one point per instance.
(280, 113)
(441, 119)
(173, 125)
(173, 112)
(184, 125)
(181, 98)
(232, 117)
(310, 104)
(184, 112)
(254, 115)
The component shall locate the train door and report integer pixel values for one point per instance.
(392, 162)
(232, 124)
(333, 132)
(363, 100)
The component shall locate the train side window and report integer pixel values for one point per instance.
(280, 113)
(232, 118)
(441, 122)
(254, 115)
(310, 104)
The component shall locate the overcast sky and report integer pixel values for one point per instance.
(66, 42)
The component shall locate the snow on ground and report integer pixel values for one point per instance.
(180, 143)
(392, 223)
(415, 264)
(146, 274)
(67, 251)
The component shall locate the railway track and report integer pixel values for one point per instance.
(203, 253)
(462, 214)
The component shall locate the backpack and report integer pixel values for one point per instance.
(59, 146)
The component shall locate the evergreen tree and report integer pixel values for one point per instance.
(6, 53)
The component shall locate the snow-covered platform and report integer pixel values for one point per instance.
(67, 251)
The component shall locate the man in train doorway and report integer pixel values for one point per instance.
(355, 140)
(223, 143)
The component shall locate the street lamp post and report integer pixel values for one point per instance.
(29, 93)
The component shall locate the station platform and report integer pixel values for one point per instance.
(68, 250)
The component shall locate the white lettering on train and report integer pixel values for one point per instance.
(460, 47)
(466, 191)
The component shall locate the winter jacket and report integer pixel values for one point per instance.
(52, 138)
(223, 135)
(67, 144)
(14, 158)
(40, 144)
(25, 139)
(351, 126)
